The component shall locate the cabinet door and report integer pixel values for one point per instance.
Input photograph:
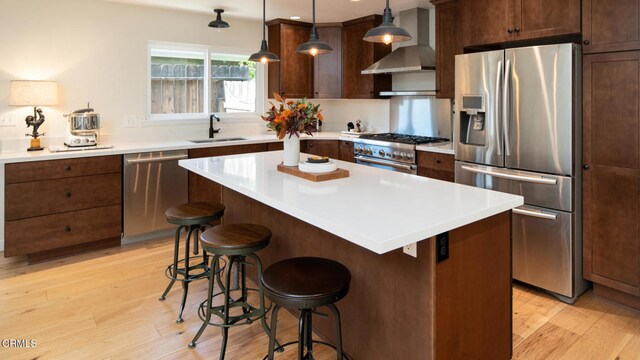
(544, 18)
(610, 25)
(490, 22)
(359, 55)
(323, 148)
(346, 151)
(449, 43)
(327, 68)
(611, 139)
(292, 76)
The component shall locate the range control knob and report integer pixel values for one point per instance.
(403, 156)
(410, 156)
(369, 151)
(381, 153)
(395, 155)
(358, 149)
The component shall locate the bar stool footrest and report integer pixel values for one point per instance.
(179, 274)
(306, 356)
(250, 312)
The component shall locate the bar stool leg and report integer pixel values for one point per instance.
(301, 331)
(185, 283)
(309, 334)
(272, 336)
(263, 319)
(338, 330)
(214, 265)
(225, 329)
(176, 249)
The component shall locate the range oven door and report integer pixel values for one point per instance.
(387, 165)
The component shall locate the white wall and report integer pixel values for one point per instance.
(97, 51)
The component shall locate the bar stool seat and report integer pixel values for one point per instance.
(306, 283)
(236, 239)
(192, 218)
(197, 213)
(238, 242)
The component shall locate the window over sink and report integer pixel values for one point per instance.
(188, 82)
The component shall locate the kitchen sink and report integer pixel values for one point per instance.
(204, 141)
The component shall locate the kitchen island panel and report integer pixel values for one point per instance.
(400, 307)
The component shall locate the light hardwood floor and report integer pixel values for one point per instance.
(104, 305)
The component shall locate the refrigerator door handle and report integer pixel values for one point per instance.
(523, 210)
(497, 107)
(518, 177)
(505, 108)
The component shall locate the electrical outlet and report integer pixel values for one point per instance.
(442, 247)
(6, 122)
(130, 121)
(411, 249)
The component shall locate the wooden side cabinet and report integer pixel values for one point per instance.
(449, 43)
(610, 25)
(499, 21)
(321, 147)
(292, 76)
(346, 152)
(611, 174)
(327, 68)
(357, 55)
(202, 189)
(61, 207)
(436, 165)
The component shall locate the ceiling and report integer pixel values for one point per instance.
(326, 10)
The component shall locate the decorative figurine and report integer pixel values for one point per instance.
(35, 120)
(358, 125)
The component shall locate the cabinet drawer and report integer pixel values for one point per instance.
(436, 161)
(43, 233)
(37, 198)
(57, 169)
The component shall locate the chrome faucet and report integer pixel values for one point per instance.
(211, 129)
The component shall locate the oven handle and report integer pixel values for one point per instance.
(526, 178)
(385, 163)
(534, 213)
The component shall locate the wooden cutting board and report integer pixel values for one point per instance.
(316, 177)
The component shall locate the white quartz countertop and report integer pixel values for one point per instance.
(442, 148)
(149, 146)
(377, 209)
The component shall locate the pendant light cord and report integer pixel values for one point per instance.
(264, 19)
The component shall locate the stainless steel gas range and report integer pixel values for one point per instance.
(391, 151)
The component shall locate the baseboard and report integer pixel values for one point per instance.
(616, 296)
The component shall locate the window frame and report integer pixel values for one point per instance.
(208, 52)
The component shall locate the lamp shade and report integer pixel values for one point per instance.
(33, 93)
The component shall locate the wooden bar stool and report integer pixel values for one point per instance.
(306, 283)
(237, 242)
(192, 217)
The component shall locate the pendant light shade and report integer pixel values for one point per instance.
(314, 46)
(218, 23)
(387, 32)
(264, 55)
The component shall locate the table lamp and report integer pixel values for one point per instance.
(33, 93)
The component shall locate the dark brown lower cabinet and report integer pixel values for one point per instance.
(328, 148)
(436, 165)
(202, 189)
(346, 151)
(611, 174)
(62, 207)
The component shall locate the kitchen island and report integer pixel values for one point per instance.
(399, 307)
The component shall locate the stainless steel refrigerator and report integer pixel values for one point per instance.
(517, 129)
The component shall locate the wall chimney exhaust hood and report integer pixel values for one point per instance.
(411, 56)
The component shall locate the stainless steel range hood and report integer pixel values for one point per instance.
(411, 56)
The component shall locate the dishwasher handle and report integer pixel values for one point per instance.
(155, 160)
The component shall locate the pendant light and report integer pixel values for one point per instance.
(314, 46)
(218, 23)
(387, 32)
(264, 55)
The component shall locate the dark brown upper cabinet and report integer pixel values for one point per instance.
(610, 25)
(499, 21)
(358, 55)
(327, 68)
(292, 76)
(449, 43)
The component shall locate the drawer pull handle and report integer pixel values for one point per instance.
(438, 161)
(67, 194)
(67, 167)
(67, 229)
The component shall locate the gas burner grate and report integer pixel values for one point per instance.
(403, 138)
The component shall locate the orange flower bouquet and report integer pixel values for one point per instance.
(293, 117)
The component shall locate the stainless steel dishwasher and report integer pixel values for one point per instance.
(153, 182)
